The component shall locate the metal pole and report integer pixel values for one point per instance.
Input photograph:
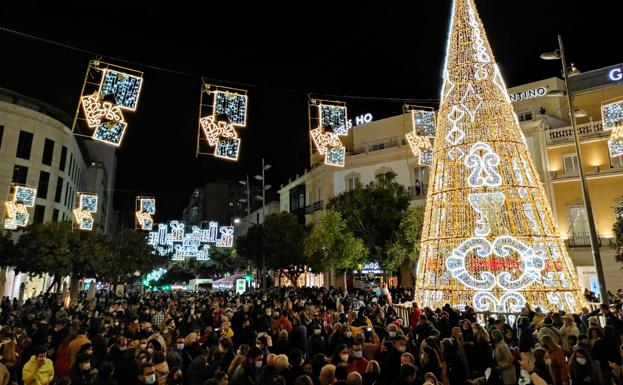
(248, 198)
(263, 221)
(603, 293)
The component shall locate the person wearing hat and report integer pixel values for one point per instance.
(80, 373)
(568, 329)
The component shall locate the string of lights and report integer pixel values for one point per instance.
(205, 78)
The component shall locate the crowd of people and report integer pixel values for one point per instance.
(300, 336)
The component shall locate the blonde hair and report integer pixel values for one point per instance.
(190, 339)
(373, 367)
(237, 361)
(281, 362)
(327, 375)
(8, 351)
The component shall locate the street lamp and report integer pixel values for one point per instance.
(559, 54)
(262, 178)
(248, 191)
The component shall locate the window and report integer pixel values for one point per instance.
(1, 134)
(44, 181)
(63, 158)
(578, 221)
(55, 215)
(353, 182)
(523, 116)
(570, 162)
(48, 152)
(59, 190)
(71, 164)
(19, 174)
(320, 192)
(24, 145)
(66, 193)
(377, 146)
(39, 214)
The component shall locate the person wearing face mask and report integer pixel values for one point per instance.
(558, 364)
(249, 372)
(175, 357)
(391, 364)
(315, 343)
(346, 337)
(80, 373)
(582, 369)
(341, 355)
(358, 362)
(147, 374)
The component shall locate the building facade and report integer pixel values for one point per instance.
(373, 150)
(546, 125)
(37, 149)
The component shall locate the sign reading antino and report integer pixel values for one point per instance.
(528, 94)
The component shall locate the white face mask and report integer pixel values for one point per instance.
(258, 364)
(401, 348)
(317, 332)
(548, 361)
(143, 346)
(180, 346)
(122, 348)
(150, 350)
(581, 360)
(358, 353)
(150, 379)
(344, 357)
(392, 334)
(348, 334)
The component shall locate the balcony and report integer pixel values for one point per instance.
(316, 206)
(415, 193)
(378, 146)
(581, 239)
(564, 135)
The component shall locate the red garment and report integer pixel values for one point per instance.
(560, 370)
(63, 361)
(415, 316)
(358, 365)
(284, 323)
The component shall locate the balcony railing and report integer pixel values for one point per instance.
(316, 206)
(582, 239)
(565, 134)
(378, 146)
(418, 193)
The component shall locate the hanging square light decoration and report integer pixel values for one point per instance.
(145, 210)
(108, 90)
(16, 207)
(612, 120)
(328, 121)
(221, 110)
(86, 205)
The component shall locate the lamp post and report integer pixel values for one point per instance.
(248, 191)
(560, 55)
(265, 187)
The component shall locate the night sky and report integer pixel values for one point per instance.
(371, 50)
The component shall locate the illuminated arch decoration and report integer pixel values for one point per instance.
(107, 92)
(612, 120)
(328, 120)
(221, 111)
(488, 239)
(145, 211)
(16, 207)
(86, 206)
(177, 241)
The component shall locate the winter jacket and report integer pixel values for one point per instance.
(32, 374)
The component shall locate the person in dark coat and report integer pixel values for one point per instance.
(315, 342)
(295, 358)
(80, 373)
(104, 374)
(198, 371)
(249, 372)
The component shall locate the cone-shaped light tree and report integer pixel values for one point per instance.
(489, 240)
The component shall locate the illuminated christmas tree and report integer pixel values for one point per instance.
(489, 240)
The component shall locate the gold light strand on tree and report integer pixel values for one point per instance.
(489, 240)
